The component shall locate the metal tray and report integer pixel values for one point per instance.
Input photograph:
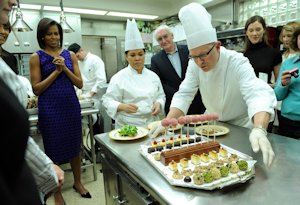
(240, 177)
(86, 103)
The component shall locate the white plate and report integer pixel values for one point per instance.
(216, 129)
(155, 123)
(141, 132)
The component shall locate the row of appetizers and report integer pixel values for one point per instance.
(172, 143)
(207, 174)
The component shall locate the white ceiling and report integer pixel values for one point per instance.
(161, 8)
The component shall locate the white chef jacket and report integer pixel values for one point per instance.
(143, 90)
(93, 76)
(230, 89)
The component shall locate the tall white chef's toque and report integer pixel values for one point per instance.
(196, 22)
(133, 38)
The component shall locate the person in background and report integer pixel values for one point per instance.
(134, 95)
(170, 65)
(93, 74)
(8, 57)
(285, 38)
(264, 59)
(17, 185)
(287, 89)
(54, 72)
(226, 80)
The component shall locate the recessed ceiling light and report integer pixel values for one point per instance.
(131, 15)
(30, 6)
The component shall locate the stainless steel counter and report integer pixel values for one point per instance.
(278, 185)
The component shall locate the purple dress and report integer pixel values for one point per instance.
(59, 112)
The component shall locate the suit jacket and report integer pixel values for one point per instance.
(170, 80)
(17, 185)
(10, 60)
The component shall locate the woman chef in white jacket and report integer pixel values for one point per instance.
(226, 80)
(135, 95)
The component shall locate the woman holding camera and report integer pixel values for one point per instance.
(287, 89)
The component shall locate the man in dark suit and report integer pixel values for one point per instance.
(170, 65)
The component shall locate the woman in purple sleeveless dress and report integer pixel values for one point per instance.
(54, 72)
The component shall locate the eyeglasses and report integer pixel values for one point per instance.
(202, 56)
(162, 37)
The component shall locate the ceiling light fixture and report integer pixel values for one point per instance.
(63, 22)
(20, 25)
(131, 15)
(30, 6)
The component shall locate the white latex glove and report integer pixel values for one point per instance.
(156, 130)
(258, 139)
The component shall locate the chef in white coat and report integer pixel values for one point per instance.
(135, 94)
(226, 81)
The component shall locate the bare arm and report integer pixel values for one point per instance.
(261, 119)
(39, 86)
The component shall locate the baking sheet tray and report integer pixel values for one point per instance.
(231, 179)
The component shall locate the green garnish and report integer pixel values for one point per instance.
(128, 130)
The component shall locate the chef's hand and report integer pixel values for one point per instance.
(128, 108)
(156, 130)
(285, 78)
(259, 141)
(156, 109)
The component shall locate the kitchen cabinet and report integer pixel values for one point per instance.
(267, 187)
(120, 187)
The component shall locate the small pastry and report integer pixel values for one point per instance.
(151, 149)
(204, 157)
(213, 155)
(170, 141)
(198, 139)
(184, 141)
(187, 179)
(178, 139)
(156, 156)
(233, 158)
(198, 169)
(184, 162)
(162, 142)
(223, 152)
(195, 159)
(176, 144)
(191, 141)
(169, 146)
(173, 165)
(159, 148)
(177, 175)
(233, 167)
(187, 172)
(154, 144)
(198, 179)
(216, 173)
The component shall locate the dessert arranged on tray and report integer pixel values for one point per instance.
(197, 161)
